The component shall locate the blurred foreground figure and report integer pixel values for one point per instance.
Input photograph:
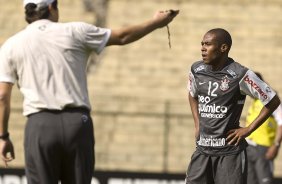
(217, 90)
(264, 143)
(48, 62)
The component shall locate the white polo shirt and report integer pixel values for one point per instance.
(49, 60)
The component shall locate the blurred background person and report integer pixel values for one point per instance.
(264, 143)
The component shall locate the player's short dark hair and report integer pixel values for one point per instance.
(33, 13)
(222, 35)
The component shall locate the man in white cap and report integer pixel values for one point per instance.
(48, 61)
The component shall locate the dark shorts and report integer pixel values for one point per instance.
(59, 146)
(260, 170)
(229, 169)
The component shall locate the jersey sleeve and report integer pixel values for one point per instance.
(251, 85)
(278, 115)
(94, 38)
(7, 71)
(192, 87)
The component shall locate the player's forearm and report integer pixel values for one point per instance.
(264, 114)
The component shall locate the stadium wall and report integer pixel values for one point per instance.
(138, 92)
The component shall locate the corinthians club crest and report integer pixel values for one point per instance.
(224, 86)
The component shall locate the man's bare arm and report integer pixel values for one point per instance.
(6, 146)
(133, 33)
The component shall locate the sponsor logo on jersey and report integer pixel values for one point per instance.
(224, 86)
(211, 142)
(268, 90)
(199, 68)
(42, 28)
(232, 73)
(256, 87)
(210, 110)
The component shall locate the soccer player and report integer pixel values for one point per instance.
(218, 86)
(48, 61)
(264, 143)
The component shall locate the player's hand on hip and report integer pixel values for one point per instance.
(234, 136)
(163, 18)
(7, 151)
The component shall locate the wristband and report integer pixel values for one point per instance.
(5, 136)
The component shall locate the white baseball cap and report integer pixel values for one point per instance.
(37, 2)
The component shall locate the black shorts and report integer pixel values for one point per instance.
(228, 169)
(59, 146)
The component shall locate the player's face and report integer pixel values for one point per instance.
(210, 49)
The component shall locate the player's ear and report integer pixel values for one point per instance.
(224, 47)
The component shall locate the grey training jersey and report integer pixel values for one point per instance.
(221, 97)
(48, 61)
